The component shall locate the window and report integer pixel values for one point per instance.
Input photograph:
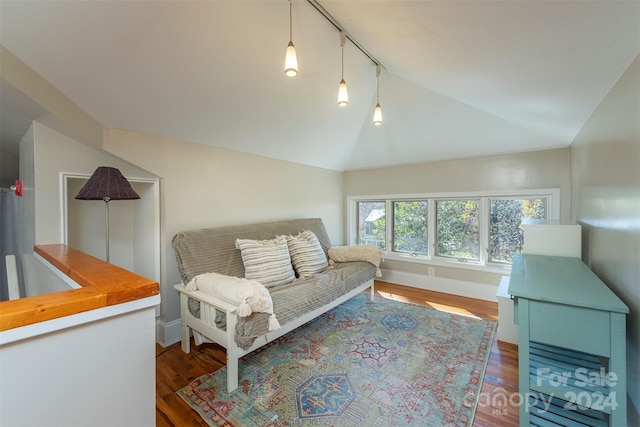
(480, 230)
(410, 227)
(457, 232)
(372, 224)
(505, 233)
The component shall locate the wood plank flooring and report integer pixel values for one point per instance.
(175, 369)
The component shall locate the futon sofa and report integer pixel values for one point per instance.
(211, 318)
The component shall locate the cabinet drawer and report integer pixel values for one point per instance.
(577, 328)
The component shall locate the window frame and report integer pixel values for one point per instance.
(435, 229)
(552, 196)
(357, 216)
(393, 226)
(519, 197)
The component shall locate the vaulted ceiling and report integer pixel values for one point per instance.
(460, 78)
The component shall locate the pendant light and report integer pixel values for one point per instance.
(377, 113)
(343, 96)
(290, 59)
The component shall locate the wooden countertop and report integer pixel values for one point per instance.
(102, 284)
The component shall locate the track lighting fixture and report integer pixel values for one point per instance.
(343, 96)
(291, 62)
(377, 113)
(290, 59)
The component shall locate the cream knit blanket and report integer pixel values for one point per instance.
(248, 295)
(368, 253)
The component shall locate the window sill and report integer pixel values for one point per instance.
(469, 265)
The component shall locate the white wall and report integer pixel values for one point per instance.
(27, 232)
(519, 171)
(59, 112)
(205, 186)
(605, 166)
(44, 155)
(56, 153)
(95, 368)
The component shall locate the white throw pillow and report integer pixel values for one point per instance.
(266, 261)
(307, 255)
(248, 295)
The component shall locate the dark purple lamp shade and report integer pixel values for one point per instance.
(107, 184)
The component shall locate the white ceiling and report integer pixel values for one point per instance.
(462, 78)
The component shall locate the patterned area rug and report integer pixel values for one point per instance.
(364, 363)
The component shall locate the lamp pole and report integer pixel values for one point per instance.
(106, 216)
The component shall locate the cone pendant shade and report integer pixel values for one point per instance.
(343, 96)
(291, 61)
(377, 115)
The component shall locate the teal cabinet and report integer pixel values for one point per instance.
(571, 344)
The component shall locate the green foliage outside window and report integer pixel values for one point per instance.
(505, 232)
(410, 227)
(457, 229)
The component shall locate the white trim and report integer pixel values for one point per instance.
(168, 333)
(480, 291)
(468, 194)
(553, 216)
(54, 325)
(449, 263)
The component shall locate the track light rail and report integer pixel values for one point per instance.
(336, 24)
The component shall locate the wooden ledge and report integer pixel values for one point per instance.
(103, 284)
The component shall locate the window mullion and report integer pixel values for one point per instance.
(431, 227)
(389, 226)
(483, 230)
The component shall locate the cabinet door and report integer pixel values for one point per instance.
(575, 328)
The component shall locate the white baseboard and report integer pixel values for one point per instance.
(481, 291)
(168, 333)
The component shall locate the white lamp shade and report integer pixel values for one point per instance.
(377, 115)
(291, 61)
(343, 96)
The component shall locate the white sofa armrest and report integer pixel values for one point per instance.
(206, 298)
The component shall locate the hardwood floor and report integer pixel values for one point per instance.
(497, 402)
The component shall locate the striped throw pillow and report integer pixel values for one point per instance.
(307, 254)
(266, 261)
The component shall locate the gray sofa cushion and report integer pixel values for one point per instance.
(301, 297)
(213, 250)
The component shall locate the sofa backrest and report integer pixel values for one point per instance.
(213, 250)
